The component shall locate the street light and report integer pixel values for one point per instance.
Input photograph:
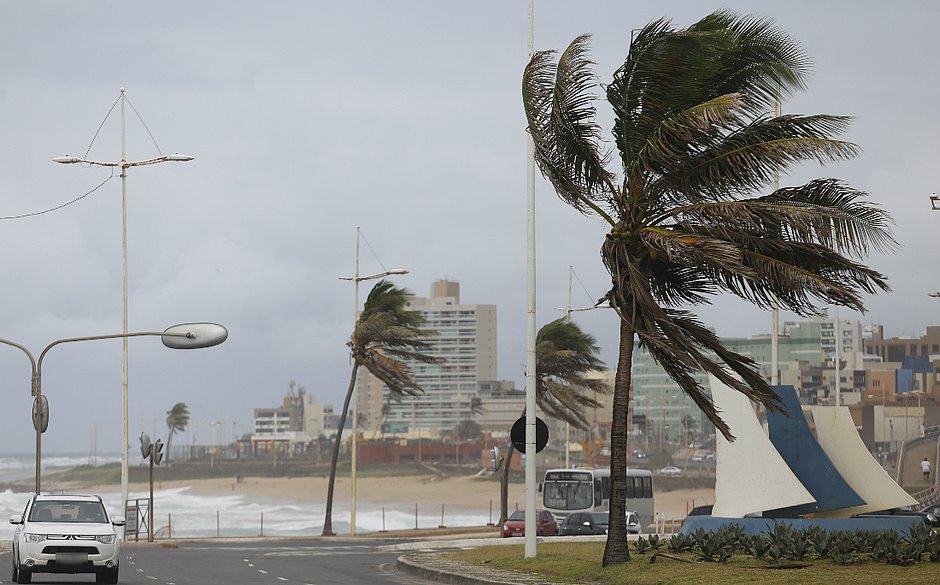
(124, 164)
(935, 202)
(185, 336)
(355, 395)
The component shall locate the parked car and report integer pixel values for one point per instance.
(929, 518)
(701, 510)
(933, 511)
(66, 534)
(583, 523)
(545, 524)
(670, 470)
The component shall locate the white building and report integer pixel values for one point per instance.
(465, 342)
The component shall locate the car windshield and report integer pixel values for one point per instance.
(67, 511)
(517, 515)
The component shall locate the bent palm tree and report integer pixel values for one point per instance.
(684, 210)
(385, 338)
(177, 418)
(564, 354)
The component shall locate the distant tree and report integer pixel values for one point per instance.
(385, 338)
(689, 426)
(467, 429)
(177, 419)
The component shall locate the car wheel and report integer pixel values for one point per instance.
(107, 576)
(24, 576)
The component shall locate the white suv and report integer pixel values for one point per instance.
(65, 534)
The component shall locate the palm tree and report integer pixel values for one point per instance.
(385, 338)
(177, 418)
(564, 353)
(690, 209)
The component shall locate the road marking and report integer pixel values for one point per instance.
(262, 571)
(282, 579)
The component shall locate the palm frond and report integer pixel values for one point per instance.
(747, 158)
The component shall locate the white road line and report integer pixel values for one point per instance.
(282, 579)
(262, 571)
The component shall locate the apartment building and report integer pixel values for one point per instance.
(466, 343)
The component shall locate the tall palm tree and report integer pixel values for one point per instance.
(386, 337)
(690, 208)
(564, 354)
(177, 419)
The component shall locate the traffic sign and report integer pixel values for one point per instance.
(517, 434)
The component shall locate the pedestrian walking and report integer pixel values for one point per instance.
(925, 467)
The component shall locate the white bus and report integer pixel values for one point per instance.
(565, 491)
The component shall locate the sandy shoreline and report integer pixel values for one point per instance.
(453, 492)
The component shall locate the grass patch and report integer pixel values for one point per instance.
(581, 563)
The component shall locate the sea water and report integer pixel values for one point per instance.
(184, 514)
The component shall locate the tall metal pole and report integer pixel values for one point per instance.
(567, 424)
(775, 310)
(838, 361)
(530, 545)
(124, 410)
(355, 407)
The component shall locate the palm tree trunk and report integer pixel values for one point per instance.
(504, 485)
(169, 439)
(328, 520)
(617, 550)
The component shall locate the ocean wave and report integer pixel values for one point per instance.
(184, 514)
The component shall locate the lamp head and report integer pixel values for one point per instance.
(935, 201)
(179, 157)
(66, 160)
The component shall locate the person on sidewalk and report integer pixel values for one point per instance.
(925, 467)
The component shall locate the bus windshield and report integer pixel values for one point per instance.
(568, 495)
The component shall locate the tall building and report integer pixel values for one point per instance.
(465, 343)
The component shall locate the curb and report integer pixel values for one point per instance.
(432, 566)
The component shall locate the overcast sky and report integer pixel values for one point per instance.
(310, 118)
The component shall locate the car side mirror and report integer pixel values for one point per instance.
(118, 521)
(16, 519)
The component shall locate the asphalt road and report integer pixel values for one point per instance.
(264, 562)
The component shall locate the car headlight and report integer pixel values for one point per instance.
(931, 518)
(506, 527)
(105, 538)
(31, 537)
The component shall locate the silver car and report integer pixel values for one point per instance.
(65, 534)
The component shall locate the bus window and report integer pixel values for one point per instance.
(598, 491)
(631, 488)
(605, 488)
(647, 487)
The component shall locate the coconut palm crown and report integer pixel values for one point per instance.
(687, 198)
(564, 355)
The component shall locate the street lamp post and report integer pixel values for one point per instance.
(123, 165)
(355, 395)
(185, 336)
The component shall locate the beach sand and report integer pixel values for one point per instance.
(453, 492)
